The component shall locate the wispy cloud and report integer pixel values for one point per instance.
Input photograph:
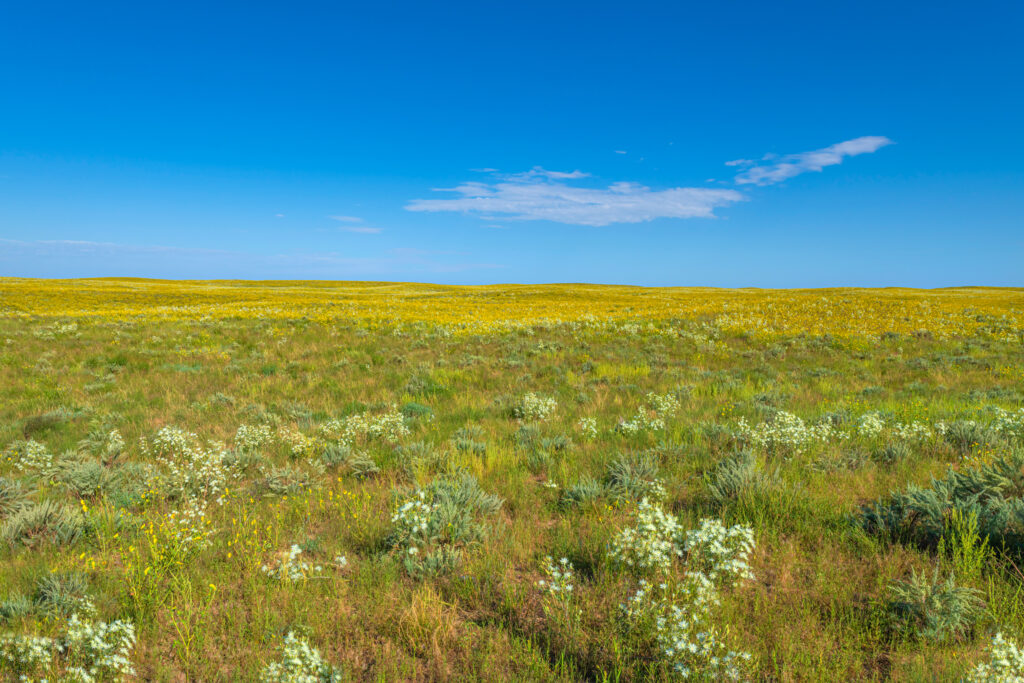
(782, 168)
(57, 247)
(540, 194)
(81, 258)
(538, 172)
(352, 225)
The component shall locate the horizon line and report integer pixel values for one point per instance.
(131, 278)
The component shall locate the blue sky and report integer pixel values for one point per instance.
(726, 144)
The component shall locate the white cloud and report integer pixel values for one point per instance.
(346, 219)
(539, 194)
(278, 215)
(785, 167)
(538, 172)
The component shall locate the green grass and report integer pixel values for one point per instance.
(817, 609)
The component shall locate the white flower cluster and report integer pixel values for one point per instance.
(99, 650)
(787, 432)
(113, 444)
(171, 440)
(389, 427)
(55, 330)
(300, 662)
(558, 583)
(652, 417)
(870, 425)
(412, 520)
(651, 544)
(414, 513)
(1009, 424)
(91, 651)
(679, 618)
(249, 438)
(1005, 665)
(30, 456)
(643, 421)
(291, 568)
(719, 552)
(914, 431)
(790, 432)
(189, 526)
(677, 614)
(299, 444)
(25, 653)
(194, 470)
(588, 427)
(666, 405)
(654, 490)
(534, 407)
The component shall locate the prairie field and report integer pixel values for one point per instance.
(369, 481)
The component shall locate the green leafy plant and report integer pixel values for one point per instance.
(62, 593)
(45, 521)
(993, 494)
(633, 478)
(931, 608)
(736, 476)
(432, 526)
(12, 496)
(586, 490)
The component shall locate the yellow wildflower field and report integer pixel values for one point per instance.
(838, 312)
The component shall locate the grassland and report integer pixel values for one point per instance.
(199, 476)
